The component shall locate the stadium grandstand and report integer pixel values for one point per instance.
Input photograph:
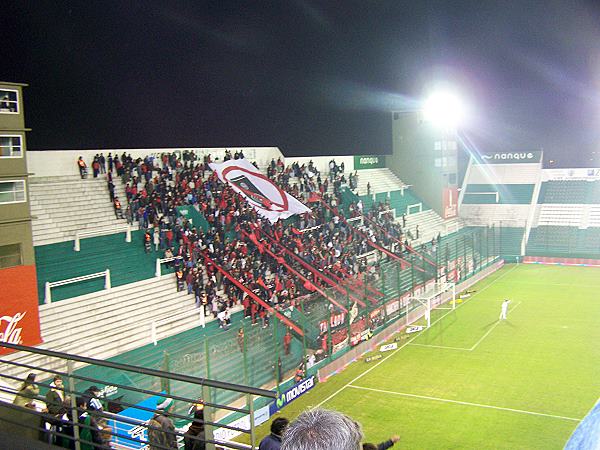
(235, 279)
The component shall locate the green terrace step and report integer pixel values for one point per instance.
(127, 262)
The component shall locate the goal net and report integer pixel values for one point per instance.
(439, 296)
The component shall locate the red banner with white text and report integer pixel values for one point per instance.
(19, 315)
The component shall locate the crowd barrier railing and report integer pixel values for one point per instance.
(103, 232)
(50, 284)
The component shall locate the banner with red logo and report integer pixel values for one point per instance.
(450, 202)
(268, 199)
(19, 317)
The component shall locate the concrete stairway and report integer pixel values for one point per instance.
(430, 225)
(64, 205)
(381, 180)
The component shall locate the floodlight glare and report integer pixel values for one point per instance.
(444, 109)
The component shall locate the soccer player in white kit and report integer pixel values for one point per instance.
(504, 309)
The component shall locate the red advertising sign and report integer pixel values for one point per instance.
(19, 316)
(450, 202)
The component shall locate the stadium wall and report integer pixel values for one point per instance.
(561, 261)
(52, 163)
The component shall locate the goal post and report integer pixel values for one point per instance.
(440, 296)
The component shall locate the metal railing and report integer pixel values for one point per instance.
(50, 284)
(417, 206)
(176, 318)
(160, 261)
(123, 422)
(113, 230)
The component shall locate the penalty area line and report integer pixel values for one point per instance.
(392, 353)
(458, 402)
(491, 329)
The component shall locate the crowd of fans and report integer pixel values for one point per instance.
(238, 245)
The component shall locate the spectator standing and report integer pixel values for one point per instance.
(287, 341)
(273, 441)
(96, 166)
(193, 439)
(57, 405)
(161, 433)
(82, 166)
(27, 392)
(156, 238)
(89, 434)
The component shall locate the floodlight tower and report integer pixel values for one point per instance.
(426, 149)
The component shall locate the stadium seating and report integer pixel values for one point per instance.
(108, 322)
(569, 191)
(561, 215)
(63, 205)
(563, 241)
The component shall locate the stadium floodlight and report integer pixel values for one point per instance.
(445, 109)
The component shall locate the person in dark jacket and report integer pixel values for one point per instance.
(383, 445)
(273, 441)
(194, 437)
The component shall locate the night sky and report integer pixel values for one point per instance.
(311, 77)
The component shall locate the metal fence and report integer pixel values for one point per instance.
(120, 415)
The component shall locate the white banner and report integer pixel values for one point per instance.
(388, 347)
(268, 199)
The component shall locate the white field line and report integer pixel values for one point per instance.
(392, 353)
(492, 328)
(476, 343)
(458, 402)
(441, 346)
(537, 283)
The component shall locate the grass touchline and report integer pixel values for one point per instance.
(464, 403)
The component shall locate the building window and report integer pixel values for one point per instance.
(10, 256)
(10, 147)
(12, 191)
(9, 101)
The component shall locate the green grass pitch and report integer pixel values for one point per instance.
(474, 382)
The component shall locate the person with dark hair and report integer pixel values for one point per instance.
(322, 429)
(194, 438)
(57, 404)
(89, 430)
(383, 445)
(273, 441)
(27, 392)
